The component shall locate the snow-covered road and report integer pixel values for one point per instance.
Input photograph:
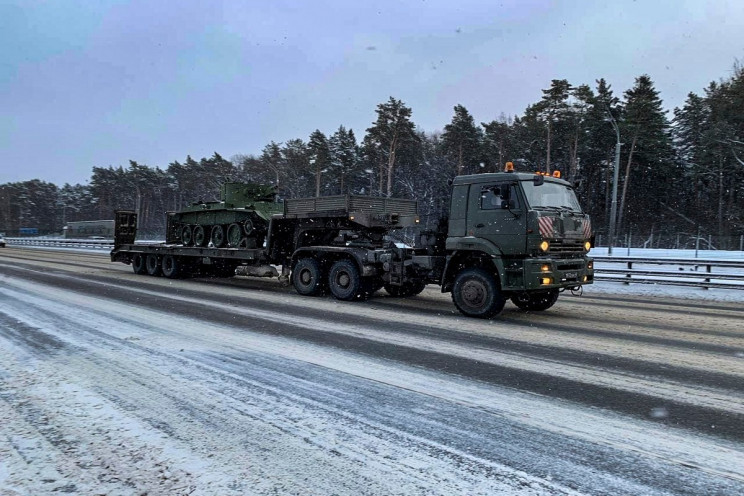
(112, 383)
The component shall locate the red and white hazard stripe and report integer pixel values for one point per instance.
(546, 226)
(587, 228)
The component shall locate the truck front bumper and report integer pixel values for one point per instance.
(558, 273)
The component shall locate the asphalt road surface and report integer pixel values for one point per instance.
(113, 383)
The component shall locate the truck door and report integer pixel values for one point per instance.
(497, 213)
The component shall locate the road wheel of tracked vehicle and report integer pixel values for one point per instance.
(138, 264)
(218, 236)
(536, 301)
(234, 235)
(200, 236)
(344, 280)
(187, 235)
(248, 226)
(307, 277)
(476, 294)
(153, 265)
(172, 266)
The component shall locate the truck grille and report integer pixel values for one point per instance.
(566, 247)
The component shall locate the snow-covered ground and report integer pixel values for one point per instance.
(112, 383)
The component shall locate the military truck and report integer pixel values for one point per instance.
(508, 235)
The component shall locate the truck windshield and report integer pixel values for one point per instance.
(550, 195)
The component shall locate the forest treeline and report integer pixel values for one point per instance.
(679, 173)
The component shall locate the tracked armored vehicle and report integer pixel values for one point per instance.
(239, 220)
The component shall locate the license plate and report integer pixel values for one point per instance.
(572, 275)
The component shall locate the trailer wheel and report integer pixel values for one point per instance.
(536, 301)
(234, 234)
(344, 280)
(138, 264)
(200, 236)
(218, 236)
(476, 294)
(153, 265)
(307, 277)
(187, 235)
(172, 266)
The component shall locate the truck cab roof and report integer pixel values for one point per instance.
(491, 177)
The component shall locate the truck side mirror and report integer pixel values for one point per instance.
(538, 180)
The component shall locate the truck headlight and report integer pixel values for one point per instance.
(544, 246)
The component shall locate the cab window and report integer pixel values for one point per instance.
(498, 196)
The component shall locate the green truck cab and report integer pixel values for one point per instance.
(514, 236)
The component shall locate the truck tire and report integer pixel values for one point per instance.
(307, 277)
(172, 266)
(344, 280)
(138, 264)
(476, 294)
(536, 301)
(152, 262)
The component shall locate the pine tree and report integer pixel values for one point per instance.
(391, 135)
(498, 143)
(319, 157)
(345, 159)
(650, 154)
(462, 141)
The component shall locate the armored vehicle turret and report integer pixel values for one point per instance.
(239, 220)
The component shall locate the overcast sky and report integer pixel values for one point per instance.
(97, 83)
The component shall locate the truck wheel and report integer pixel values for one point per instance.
(344, 280)
(138, 264)
(200, 236)
(218, 236)
(153, 265)
(476, 294)
(187, 235)
(536, 301)
(307, 278)
(234, 234)
(172, 266)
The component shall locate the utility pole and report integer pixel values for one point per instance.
(613, 208)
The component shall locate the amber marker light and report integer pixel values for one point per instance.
(544, 246)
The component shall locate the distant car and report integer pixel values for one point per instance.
(2, 242)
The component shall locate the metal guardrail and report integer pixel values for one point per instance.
(702, 273)
(69, 243)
